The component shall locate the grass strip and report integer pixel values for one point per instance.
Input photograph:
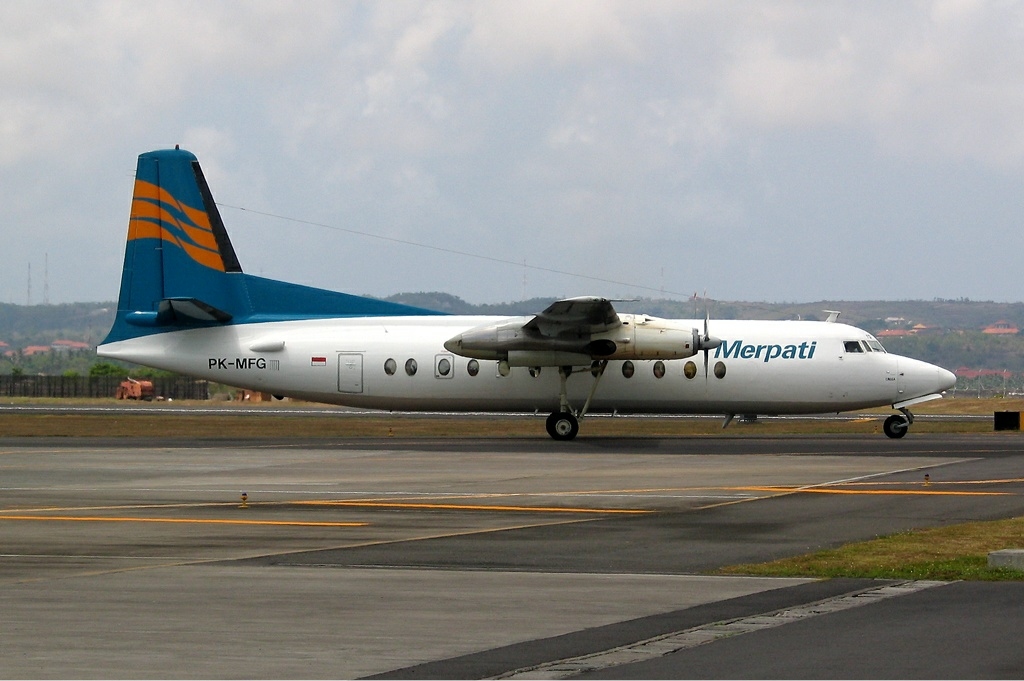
(151, 423)
(957, 552)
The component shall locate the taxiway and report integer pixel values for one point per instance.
(450, 558)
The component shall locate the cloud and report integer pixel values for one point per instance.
(925, 80)
(512, 36)
(598, 135)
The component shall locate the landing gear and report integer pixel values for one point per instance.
(896, 426)
(562, 425)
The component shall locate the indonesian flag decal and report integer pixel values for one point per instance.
(318, 361)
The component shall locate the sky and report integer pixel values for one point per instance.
(497, 151)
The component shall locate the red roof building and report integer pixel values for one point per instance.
(69, 345)
(1001, 327)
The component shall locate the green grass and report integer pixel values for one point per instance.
(946, 553)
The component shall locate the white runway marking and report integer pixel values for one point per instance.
(667, 644)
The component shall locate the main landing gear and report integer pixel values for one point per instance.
(564, 424)
(896, 426)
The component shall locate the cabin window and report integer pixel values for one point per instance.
(390, 366)
(628, 369)
(659, 369)
(410, 367)
(473, 368)
(443, 367)
(720, 369)
(853, 346)
(689, 370)
(535, 371)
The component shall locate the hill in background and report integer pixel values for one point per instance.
(872, 315)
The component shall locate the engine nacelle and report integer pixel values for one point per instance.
(643, 337)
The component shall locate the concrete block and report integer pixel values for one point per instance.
(1007, 558)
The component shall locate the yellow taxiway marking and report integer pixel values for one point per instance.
(351, 503)
(882, 492)
(185, 521)
(472, 507)
(1002, 481)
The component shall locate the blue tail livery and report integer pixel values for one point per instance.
(180, 269)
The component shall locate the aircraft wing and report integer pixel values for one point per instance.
(575, 317)
(576, 331)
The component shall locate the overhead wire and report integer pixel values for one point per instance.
(450, 251)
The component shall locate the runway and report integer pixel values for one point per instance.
(448, 558)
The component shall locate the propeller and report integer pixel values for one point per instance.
(707, 342)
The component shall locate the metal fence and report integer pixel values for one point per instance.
(181, 388)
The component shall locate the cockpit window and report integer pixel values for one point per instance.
(875, 345)
(853, 346)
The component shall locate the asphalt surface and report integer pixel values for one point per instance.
(486, 558)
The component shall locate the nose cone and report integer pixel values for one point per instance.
(454, 345)
(921, 378)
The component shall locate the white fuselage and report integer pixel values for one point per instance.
(770, 367)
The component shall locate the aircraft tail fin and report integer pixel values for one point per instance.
(180, 269)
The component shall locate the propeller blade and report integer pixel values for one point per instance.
(707, 341)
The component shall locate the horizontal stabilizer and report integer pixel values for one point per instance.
(185, 310)
(179, 312)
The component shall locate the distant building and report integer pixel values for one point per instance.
(35, 350)
(1001, 327)
(69, 345)
(916, 330)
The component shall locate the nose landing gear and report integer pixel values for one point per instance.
(897, 425)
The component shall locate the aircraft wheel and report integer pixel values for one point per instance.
(895, 426)
(562, 425)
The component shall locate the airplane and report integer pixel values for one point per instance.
(185, 305)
